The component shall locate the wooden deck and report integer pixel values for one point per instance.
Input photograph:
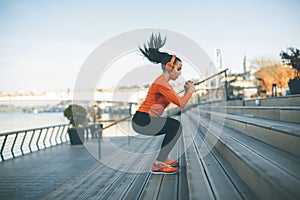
(230, 156)
(71, 172)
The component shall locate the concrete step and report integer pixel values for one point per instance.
(291, 100)
(269, 172)
(283, 135)
(279, 113)
(209, 175)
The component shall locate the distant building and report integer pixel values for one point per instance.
(243, 85)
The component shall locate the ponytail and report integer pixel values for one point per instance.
(152, 51)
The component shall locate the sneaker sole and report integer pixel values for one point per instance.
(154, 172)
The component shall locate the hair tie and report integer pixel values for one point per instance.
(171, 62)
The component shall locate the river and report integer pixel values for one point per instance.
(20, 121)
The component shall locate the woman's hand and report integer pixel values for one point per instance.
(189, 86)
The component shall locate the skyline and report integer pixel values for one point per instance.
(43, 40)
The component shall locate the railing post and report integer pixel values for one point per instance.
(29, 145)
(37, 142)
(61, 134)
(44, 140)
(57, 135)
(53, 128)
(21, 147)
(2, 148)
(13, 145)
(66, 135)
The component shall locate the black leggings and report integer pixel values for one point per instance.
(144, 124)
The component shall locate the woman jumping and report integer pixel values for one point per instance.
(147, 120)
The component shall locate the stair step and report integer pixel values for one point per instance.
(291, 100)
(270, 172)
(279, 113)
(283, 135)
(210, 176)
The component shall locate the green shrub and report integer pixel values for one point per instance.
(76, 115)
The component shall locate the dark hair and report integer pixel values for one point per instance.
(152, 51)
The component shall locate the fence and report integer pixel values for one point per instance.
(18, 143)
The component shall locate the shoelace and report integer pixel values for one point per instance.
(159, 163)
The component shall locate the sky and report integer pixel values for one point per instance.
(43, 44)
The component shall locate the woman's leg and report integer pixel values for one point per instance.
(171, 128)
(172, 131)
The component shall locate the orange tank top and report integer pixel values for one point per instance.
(160, 95)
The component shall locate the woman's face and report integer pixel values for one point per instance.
(176, 71)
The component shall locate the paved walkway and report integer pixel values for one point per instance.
(35, 175)
(71, 172)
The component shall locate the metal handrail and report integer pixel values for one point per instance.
(18, 143)
(44, 127)
(221, 72)
(198, 83)
(114, 123)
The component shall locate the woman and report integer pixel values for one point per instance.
(147, 119)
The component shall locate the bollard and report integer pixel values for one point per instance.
(99, 141)
(274, 90)
(257, 102)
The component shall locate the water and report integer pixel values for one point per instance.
(21, 121)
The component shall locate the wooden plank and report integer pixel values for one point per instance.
(136, 188)
(169, 185)
(198, 184)
(122, 182)
(161, 186)
(152, 188)
(168, 188)
(183, 191)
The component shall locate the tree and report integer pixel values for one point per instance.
(274, 72)
(291, 57)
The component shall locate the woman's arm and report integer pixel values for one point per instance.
(171, 95)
